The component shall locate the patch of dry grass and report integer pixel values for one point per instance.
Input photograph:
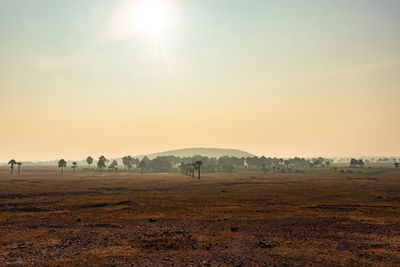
(315, 219)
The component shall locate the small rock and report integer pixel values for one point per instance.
(234, 229)
(264, 244)
(223, 191)
(21, 245)
(152, 220)
(78, 219)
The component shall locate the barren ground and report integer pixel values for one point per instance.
(249, 219)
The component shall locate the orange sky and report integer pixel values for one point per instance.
(269, 78)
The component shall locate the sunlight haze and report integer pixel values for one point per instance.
(274, 78)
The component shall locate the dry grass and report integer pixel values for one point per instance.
(317, 219)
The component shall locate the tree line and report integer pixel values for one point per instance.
(189, 165)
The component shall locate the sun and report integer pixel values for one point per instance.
(152, 17)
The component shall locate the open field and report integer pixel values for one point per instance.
(248, 219)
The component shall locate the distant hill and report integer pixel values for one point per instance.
(206, 152)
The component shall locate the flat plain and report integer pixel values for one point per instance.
(320, 218)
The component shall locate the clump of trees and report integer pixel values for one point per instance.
(13, 162)
(190, 168)
(129, 162)
(354, 163)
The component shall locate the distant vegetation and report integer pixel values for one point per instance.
(62, 164)
(13, 162)
(190, 165)
(225, 164)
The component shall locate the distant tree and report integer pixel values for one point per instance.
(197, 166)
(328, 164)
(89, 161)
(101, 163)
(19, 166)
(136, 162)
(125, 161)
(113, 166)
(361, 163)
(317, 162)
(62, 164)
(74, 166)
(162, 164)
(353, 163)
(396, 165)
(182, 167)
(188, 169)
(12, 163)
(144, 163)
(287, 163)
(131, 161)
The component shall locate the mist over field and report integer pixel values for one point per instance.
(199, 133)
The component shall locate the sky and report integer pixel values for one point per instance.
(275, 78)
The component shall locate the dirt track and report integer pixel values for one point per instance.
(320, 219)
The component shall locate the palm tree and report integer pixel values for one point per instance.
(12, 162)
(74, 166)
(62, 164)
(197, 165)
(89, 161)
(19, 166)
(101, 163)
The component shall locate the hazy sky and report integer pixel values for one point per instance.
(279, 78)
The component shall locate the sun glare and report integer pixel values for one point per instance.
(152, 17)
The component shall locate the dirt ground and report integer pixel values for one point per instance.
(248, 219)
